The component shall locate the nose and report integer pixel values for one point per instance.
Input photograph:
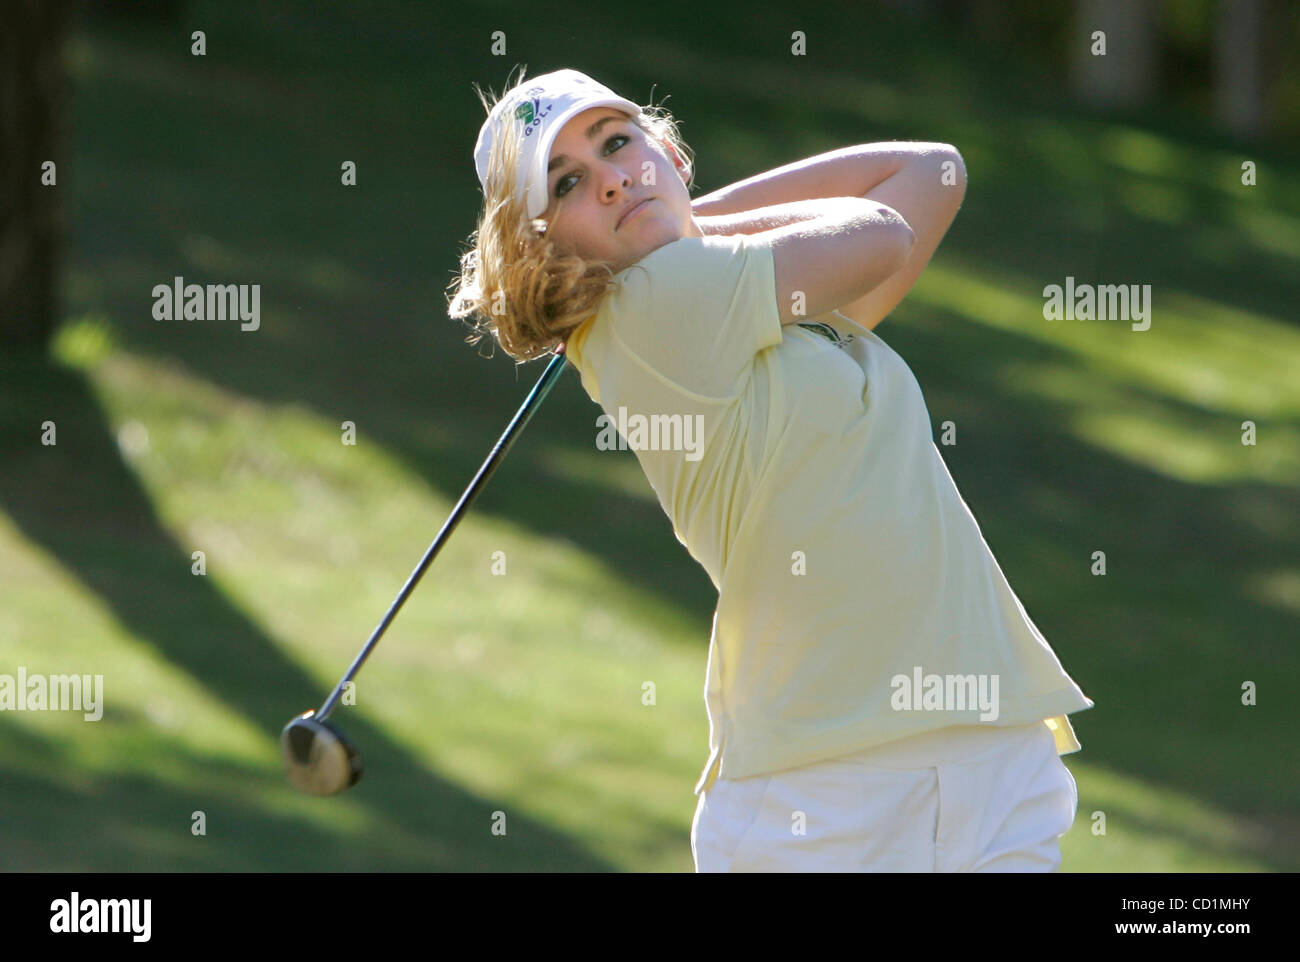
(617, 178)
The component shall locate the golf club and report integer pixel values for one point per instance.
(317, 756)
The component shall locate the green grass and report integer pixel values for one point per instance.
(522, 692)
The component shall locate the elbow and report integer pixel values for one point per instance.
(905, 237)
(901, 237)
(951, 164)
(954, 173)
(906, 242)
(893, 221)
(901, 249)
(892, 238)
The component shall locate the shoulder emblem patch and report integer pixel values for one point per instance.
(828, 332)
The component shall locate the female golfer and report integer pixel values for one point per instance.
(878, 698)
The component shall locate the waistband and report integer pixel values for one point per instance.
(943, 745)
(924, 750)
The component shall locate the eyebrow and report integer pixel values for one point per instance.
(592, 131)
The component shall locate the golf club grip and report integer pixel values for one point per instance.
(517, 424)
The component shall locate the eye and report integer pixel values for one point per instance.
(560, 183)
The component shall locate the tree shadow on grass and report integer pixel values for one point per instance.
(1162, 643)
(1165, 640)
(77, 501)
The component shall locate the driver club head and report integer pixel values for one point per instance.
(317, 757)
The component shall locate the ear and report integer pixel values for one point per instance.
(678, 163)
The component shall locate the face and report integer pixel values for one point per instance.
(597, 172)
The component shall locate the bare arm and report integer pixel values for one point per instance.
(927, 191)
(847, 172)
(923, 181)
(850, 248)
(763, 218)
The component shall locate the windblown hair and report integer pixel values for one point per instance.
(515, 284)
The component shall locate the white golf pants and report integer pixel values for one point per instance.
(962, 799)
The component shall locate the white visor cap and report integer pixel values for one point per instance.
(541, 107)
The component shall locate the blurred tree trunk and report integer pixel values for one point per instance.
(32, 86)
(1238, 70)
(1125, 76)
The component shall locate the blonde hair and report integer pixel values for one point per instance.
(515, 283)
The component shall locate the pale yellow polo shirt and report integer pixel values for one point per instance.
(850, 572)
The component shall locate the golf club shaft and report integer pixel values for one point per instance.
(525, 413)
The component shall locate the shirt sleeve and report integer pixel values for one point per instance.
(696, 311)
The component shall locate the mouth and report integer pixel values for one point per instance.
(632, 212)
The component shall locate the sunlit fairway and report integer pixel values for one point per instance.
(524, 692)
